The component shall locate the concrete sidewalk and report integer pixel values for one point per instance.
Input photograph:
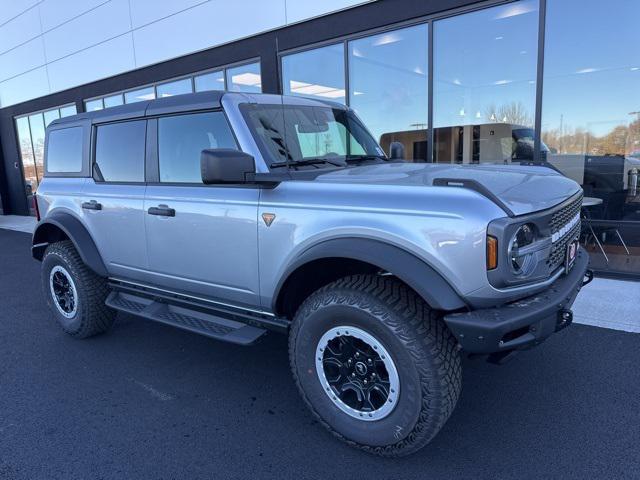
(604, 303)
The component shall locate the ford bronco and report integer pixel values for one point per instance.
(230, 215)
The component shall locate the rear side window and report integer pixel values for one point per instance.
(120, 152)
(64, 150)
(182, 138)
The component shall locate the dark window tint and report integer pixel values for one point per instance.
(182, 138)
(64, 150)
(120, 152)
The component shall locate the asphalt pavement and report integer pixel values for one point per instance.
(146, 401)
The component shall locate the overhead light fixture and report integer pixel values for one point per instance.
(249, 79)
(478, 114)
(386, 39)
(633, 69)
(418, 70)
(513, 10)
(499, 37)
(493, 117)
(304, 88)
(462, 112)
(357, 93)
(502, 82)
(457, 81)
(587, 70)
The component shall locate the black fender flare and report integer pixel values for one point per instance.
(76, 232)
(415, 272)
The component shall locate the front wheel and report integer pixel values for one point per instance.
(375, 364)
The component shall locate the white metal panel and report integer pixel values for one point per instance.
(24, 87)
(204, 26)
(56, 12)
(103, 23)
(103, 60)
(19, 30)
(147, 11)
(21, 59)
(11, 9)
(298, 10)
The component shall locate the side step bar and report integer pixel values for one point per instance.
(207, 324)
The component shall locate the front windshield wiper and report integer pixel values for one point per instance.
(358, 158)
(310, 161)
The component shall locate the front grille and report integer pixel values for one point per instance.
(558, 220)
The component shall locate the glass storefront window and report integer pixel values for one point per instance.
(244, 78)
(113, 100)
(317, 73)
(27, 158)
(50, 116)
(36, 124)
(388, 87)
(591, 120)
(140, 95)
(93, 105)
(209, 81)
(68, 110)
(484, 86)
(178, 87)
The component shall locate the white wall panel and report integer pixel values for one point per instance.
(56, 12)
(23, 28)
(206, 25)
(102, 23)
(21, 59)
(13, 8)
(298, 10)
(104, 60)
(24, 87)
(147, 11)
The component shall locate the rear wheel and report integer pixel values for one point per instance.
(375, 364)
(74, 293)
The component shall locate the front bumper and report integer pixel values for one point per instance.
(523, 323)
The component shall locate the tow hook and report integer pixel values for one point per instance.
(588, 277)
(565, 317)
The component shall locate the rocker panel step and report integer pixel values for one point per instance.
(195, 321)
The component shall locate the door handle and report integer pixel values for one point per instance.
(162, 210)
(92, 205)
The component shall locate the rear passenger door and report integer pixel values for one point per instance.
(113, 200)
(201, 239)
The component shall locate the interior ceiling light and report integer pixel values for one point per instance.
(502, 82)
(250, 79)
(513, 10)
(587, 70)
(303, 88)
(386, 39)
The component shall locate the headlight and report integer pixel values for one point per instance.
(522, 262)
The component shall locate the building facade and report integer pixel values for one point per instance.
(549, 82)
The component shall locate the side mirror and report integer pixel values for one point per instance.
(225, 165)
(396, 151)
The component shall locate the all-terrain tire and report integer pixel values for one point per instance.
(424, 351)
(91, 316)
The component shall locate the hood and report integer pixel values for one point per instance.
(523, 189)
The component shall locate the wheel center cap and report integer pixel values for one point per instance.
(361, 368)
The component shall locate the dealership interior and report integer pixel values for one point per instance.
(530, 82)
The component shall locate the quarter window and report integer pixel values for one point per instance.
(64, 150)
(120, 152)
(182, 138)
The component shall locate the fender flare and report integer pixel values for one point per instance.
(76, 232)
(415, 272)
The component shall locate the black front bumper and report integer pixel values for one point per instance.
(523, 323)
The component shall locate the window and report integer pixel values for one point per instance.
(209, 81)
(140, 95)
(316, 73)
(64, 150)
(245, 78)
(113, 101)
(68, 111)
(178, 87)
(31, 178)
(591, 120)
(182, 138)
(36, 124)
(93, 105)
(484, 84)
(388, 87)
(50, 116)
(119, 155)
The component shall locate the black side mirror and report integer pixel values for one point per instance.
(225, 165)
(396, 151)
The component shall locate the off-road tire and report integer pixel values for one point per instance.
(424, 351)
(92, 315)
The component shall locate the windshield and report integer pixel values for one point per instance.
(290, 134)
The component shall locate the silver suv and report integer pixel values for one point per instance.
(230, 215)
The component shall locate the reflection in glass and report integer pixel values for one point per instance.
(178, 87)
(388, 87)
(485, 85)
(68, 111)
(210, 81)
(28, 162)
(140, 95)
(591, 120)
(113, 100)
(245, 78)
(36, 124)
(317, 73)
(93, 105)
(50, 116)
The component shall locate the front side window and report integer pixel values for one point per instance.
(298, 133)
(119, 155)
(64, 150)
(182, 138)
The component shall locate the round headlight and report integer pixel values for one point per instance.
(522, 264)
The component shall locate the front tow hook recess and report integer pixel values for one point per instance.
(588, 277)
(565, 317)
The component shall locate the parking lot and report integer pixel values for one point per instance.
(149, 401)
